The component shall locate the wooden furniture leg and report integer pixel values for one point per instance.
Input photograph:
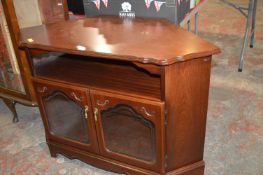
(11, 104)
(196, 22)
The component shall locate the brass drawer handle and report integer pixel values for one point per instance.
(103, 103)
(148, 113)
(42, 90)
(96, 111)
(86, 112)
(61, 3)
(76, 97)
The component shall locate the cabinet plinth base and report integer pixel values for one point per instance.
(116, 166)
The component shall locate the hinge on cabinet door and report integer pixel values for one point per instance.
(165, 161)
(76, 97)
(166, 117)
(96, 110)
(86, 112)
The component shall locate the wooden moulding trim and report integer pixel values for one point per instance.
(19, 100)
(162, 62)
(151, 68)
(40, 79)
(94, 160)
(13, 28)
(187, 168)
(96, 54)
(115, 166)
(13, 93)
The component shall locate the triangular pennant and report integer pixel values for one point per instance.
(179, 1)
(97, 3)
(158, 5)
(148, 3)
(105, 2)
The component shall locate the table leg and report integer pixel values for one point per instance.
(189, 26)
(248, 27)
(196, 23)
(11, 104)
(253, 24)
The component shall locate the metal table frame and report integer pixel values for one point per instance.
(195, 13)
(250, 14)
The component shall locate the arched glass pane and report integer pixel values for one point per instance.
(65, 117)
(127, 132)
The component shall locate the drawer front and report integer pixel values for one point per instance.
(66, 114)
(130, 130)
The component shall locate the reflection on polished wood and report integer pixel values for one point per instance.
(133, 81)
(140, 87)
(142, 40)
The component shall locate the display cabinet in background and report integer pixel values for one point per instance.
(15, 83)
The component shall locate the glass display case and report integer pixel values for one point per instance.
(15, 83)
(10, 77)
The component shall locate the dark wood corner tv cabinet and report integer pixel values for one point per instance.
(128, 96)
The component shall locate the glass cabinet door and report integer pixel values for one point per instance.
(66, 115)
(129, 129)
(10, 77)
(28, 13)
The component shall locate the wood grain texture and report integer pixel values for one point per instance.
(77, 95)
(97, 160)
(99, 73)
(163, 103)
(151, 111)
(117, 166)
(186, 96)
(141, 40)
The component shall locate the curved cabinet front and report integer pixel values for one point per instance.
(66, 115)
(130, 129)
(126, 129)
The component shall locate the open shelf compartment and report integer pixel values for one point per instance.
(100, 73)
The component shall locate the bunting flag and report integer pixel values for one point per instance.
(179, 1)
(105, 2)
(158, 5)
(97, 3)
(148, 3)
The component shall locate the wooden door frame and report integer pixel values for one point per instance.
(78, 95)
(23, 65)
(158, 165)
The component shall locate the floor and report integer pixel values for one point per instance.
(234, 139)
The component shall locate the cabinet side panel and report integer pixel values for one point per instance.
(186, 96)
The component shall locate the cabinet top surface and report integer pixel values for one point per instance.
(143, 40)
